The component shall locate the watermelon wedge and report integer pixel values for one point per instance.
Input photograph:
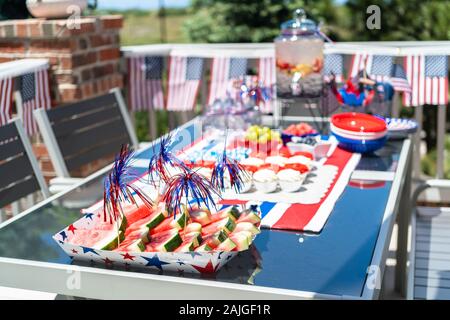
(166, 241)
(185, 247)
(139, 233)
(247, 226)
(193, 227)
(200, 215)
(204, 247)
(170, 223)
(134, 213)
(249, 216)
(131, 245)
(97, 239)
(242, 239)
(226, 224)
(195, 237)
(214, 239)
(227, 245)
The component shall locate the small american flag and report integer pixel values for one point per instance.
(380, 67)
(267, 76)
(359, 63)
(399, 80)
(185, 74)
(6, 90)
(35, 93)
(145, 83)
(428, 76)
(334, 65)
(225, 69)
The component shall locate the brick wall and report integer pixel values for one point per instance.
(85, 62)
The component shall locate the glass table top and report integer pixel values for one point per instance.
(332, 262)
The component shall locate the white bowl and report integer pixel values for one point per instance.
(300, 147)
(357, 135)
(266, 187)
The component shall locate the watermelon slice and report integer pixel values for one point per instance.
(136, 246)
(166, 241)
(242, 239)
(195, 237)
(200, 215)
(170, 223)
(134, 213)
(227, 245)
(139, 233)
(204, 247)
(247, 226)
(185, 247)
(96, 239)
(193, 227)
(249, 216)
(100, 224)
(226, 224)
(214, 239)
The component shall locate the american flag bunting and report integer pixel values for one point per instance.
(267, 76)
(379, 67)
(145, 83)
(6, 91)
(398, 80)
(428, 76)
(223, 70)
(35, 93)
(333, 65)
(185, 74)
(359, 63)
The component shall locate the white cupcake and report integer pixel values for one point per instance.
(290, 180)
(247, 181)
(265, 180)
(277, 160)
(302, 160)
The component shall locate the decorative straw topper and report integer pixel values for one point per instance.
(225, 165)
(118, 186)
(188, 185)
(159, 162)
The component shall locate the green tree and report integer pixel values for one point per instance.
(249, 20)
(401, 20)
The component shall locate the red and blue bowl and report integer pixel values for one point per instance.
(359, 132)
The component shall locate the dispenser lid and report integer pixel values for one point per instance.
(300, 23)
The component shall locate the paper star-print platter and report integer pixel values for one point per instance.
(178, 262)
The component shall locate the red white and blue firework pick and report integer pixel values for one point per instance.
(159, 162)
(226, 165)
(118, 187)
(189, 185)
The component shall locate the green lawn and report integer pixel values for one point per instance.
(144, 27)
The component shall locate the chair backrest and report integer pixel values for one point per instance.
(19, 170)
(82, 132)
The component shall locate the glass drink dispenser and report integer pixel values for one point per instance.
(299, 58)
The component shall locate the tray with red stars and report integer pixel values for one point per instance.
(87, 237)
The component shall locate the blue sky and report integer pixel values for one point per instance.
(139, 4)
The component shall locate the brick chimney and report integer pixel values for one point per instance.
(84, 60)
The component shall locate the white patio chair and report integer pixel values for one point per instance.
(82, 132)
(20, 178)
(429, 258)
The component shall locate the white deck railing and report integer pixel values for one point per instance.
(257, 50)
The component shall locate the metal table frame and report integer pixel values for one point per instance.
(59, 278)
